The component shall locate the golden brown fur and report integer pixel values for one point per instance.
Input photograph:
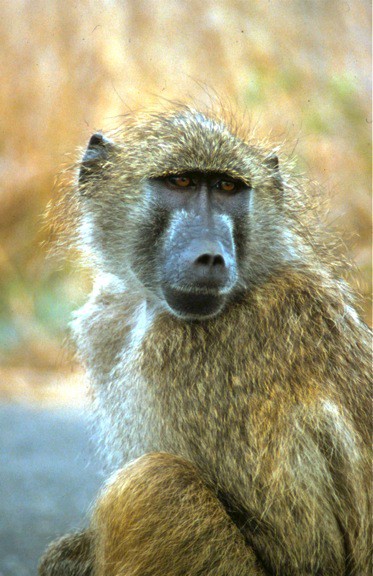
(248, 433)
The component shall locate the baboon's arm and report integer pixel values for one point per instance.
(158, 517)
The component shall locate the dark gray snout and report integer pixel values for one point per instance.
(206, 263)
(200, 270)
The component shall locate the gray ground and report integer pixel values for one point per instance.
(48, 478)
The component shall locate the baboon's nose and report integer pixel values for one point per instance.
(210, 260)
(208, 263)
(207, 254)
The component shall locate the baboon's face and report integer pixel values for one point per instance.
(193, 250)
(183, 212)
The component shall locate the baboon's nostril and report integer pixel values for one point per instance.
(218, 260)
(210, 260)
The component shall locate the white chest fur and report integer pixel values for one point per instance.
(109, 337)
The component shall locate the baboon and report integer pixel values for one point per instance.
(229, 369)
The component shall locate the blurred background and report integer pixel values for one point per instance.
(301, 71)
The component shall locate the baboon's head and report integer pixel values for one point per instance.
(181, 208)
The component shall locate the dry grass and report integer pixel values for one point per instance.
(300, 69)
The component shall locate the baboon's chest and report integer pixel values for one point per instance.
(271, 477)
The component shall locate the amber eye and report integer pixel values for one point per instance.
(227, 186)
(180, 181)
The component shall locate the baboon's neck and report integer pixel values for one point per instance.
(295, 337)
(260, 339)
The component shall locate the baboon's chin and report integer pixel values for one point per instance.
(193, 305)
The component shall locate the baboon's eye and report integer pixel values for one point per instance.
(180, 181)
(227, 186)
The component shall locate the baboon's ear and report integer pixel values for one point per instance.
(272, 164)
(95, 156)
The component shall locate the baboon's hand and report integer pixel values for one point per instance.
(71, 555)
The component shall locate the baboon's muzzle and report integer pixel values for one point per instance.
(199, 270)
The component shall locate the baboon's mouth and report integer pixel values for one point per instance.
(193, 304)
